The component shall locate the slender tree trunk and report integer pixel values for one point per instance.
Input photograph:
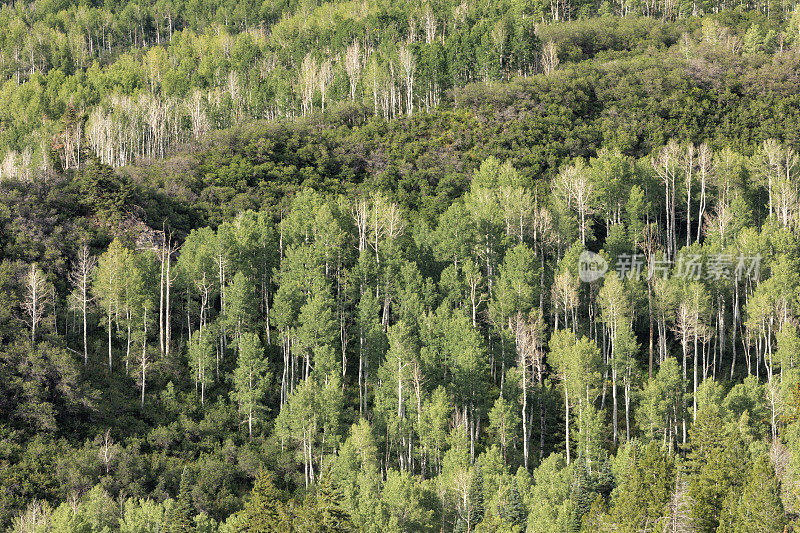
(250, 405)
(85, 327)
(128, 340)
(650, 319)
(701, 210)
(613, 360)
(627, 404)
(542, 417)
(674, 224)
(734, 325)
(144, 352)
(688, 211)
(684, 344)
(161, 337)
(566, 421)
(109, 342)
(614, 398)
(525, 414)
(694, 396)
(167, 306)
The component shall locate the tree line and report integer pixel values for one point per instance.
(150, 93)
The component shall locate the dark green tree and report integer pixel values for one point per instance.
(512, 510)
(716, 457)
(323, 508)
(264, 512)
(759, 509)
(179, 518)
(645, 488)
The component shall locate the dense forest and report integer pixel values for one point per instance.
(426, 266)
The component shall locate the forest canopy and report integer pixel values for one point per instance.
(410, 267)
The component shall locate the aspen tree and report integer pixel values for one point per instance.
(250, 378)
(549, 57)
(352, 65)
(530, 365)
(37, 294)
(307, 80)
(667, 166)
(109, 288)
(577, 191)
(689, 164)
(201, 359)
(577, 363)
(324, 78)
(617, 316)
(408, 64)
(705, 169)
(81, 277)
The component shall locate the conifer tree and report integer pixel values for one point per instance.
(645, 489)
(759, 509)
(323, 509)
(716, 458)
(264, 512)
(513, 509)
(179, 518)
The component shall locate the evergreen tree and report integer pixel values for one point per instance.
(323, 509)
(759, 509)
(716, 458)
(180, 517)
(645, 489)
(476, 497)
(513, 509)
(264, 512)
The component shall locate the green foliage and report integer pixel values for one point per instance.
(660, 406)
(389, 225)
(405, 504)
(179, 517)
(551, 508)
(512, 509)
(503, 423)
(142, 516)
(760, 507)
(251, 378)
(201, 361)
(104, 194)
(323, 511)
(645, 487)
(264, 511)
(716, 457)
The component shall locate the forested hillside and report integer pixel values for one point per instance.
(414, 267)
